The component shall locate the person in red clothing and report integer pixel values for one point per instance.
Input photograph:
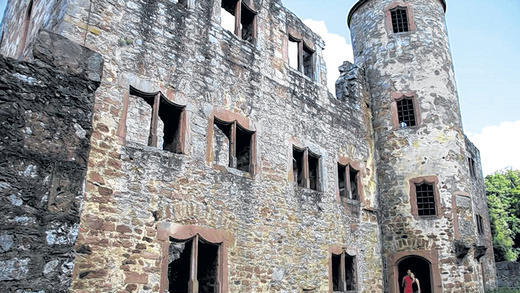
(408, 282)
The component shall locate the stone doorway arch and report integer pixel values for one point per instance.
(421, 267)
(425, 261)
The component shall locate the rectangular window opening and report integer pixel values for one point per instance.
(308, 62)
(179, 263)
(472, 170)
(207, 267)
(222, 142)
(425, 200)
(314, 172)
(406, 112)
(399, 19)
(353, 177)
(294, 55)
(350, 272)
(342, 182)
(247, 21)
(480, 225)
(227, 14)
(336, 273)
(243, 148)
(171, 118)
(298, 167)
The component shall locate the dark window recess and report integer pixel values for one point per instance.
(425, 199)
(298, 167)
(243, 148)
(342, 181)
(314, 172)
(353, 177)
(239, 143)
(472, 169)
(343, 272)
(193, 260)
(406, 112)
(183, 2)
(172, 117)
(480, 225)
(247, 20)
(308, 62)
(399, 20)
(226, 129)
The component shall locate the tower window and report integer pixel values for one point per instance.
(480, 224)
(472, 169)
(193, 261)
(308, 62)
(233, 145)
(155, 121)
(237, 18)
(294, 53)
(425, 199)
(306, 169)
(301, 57)
(343, 272)
(348, 181)
(399, 20)
(406, 113)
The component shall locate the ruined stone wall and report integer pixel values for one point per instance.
(45, 124)
(281, 235)
(418, 64)
(508, 274)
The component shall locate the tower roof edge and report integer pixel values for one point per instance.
(362, 2)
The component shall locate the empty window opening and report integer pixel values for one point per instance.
(233, 145)
(179, 260)
(343, 272)
(247, 21)
(243, 148)
(472, 170)
(342, 182)
(298, 167)
(308, 62)
(227, 14)
(193, 261)
(25, 29)
(399, 19)
(155, 121)
(425, 199)
(480, 225)
(294, 55)
(314, 172)
(353, 178)
(406, 112)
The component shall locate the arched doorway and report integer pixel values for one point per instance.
(422, 269)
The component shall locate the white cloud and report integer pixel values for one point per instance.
(337, 50)
(499, 146)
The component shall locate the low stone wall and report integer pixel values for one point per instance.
(508, 274)
(45, 128)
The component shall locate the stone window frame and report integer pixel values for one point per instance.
(479, 223)
(413, 198)
(456, 228)
(343, 161)
(342, 250)
(409, 13)
(397, 96)
(472, 166)
(431, 256)
(306, 171)
(183, 123)
(296, 36)
(235, 118)
(238, 17)
(224, 239)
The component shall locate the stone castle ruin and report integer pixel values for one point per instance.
(192, 146)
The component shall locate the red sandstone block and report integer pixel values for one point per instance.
(136, 278)
(123, 229)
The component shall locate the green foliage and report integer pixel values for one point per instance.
(503, 194)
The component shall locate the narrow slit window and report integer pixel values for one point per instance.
(314, 172)
(227, 14)
(308, 62)
(294, 55)
(193, 261)
(400, 20)
(343, 272)
(472, 170)
(155, 121)
(232, 145)
(298, 167)
(353, 178)
(243, 148)
(480, 225)
(247, 21)
(350, 272)
(336, 273)
(406, 112)
(342, 182)
(426, 205)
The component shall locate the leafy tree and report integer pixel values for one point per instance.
(503, 194)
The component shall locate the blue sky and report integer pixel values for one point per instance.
(485, 42)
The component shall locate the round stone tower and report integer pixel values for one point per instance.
(426, 192)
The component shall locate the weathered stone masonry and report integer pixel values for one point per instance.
(168, 188)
